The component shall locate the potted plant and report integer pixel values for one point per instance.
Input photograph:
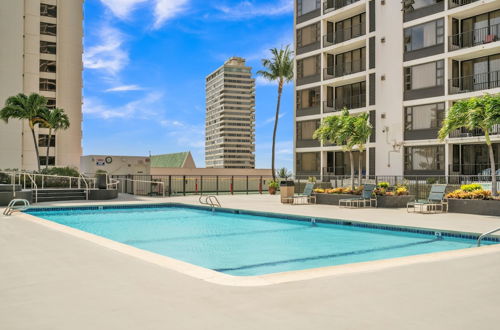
(273, 186)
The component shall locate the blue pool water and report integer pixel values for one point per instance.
(240, 244)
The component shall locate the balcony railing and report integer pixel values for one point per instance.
(475, 37)
(330, 5)
(481, 172)
(339, 36)
(477, 82)
(458, 3)
(344, 69)
(463, 132)
(352, 102)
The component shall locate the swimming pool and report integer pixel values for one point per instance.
(247, 243)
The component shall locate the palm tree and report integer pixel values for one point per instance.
(28, 108)
(339, 130)
(475, 113)
(361, 134)
(54, 119)
(279, 68)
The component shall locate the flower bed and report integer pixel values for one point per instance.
(473, 199)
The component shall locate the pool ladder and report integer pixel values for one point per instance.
(486, 234)
(11, 208)
(210, 200)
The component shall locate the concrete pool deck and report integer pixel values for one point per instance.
(51, 280)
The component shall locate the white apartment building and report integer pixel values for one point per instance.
(230, 116)
(404, 62)
(41, 53)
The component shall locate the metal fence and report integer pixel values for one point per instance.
(174, 185)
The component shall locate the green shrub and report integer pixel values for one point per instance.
(273, 184)
(384, 185)
(62, 171)
(471, 187)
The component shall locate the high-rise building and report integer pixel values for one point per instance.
(41, 53)
(230, 116)
(403, 62)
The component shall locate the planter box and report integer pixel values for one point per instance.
(382, 201)
(100, 195)
(474, 206)
(394, 201)
(6, 197)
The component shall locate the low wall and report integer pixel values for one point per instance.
(8, 187)
(6, 197)
(382, 201)
(102, 194)
(471, 206)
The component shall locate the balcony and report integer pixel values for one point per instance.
(463, 132)
(457, 3)
(344, 69)
(309, 143)
(351, 102)
(331, 5)
(339, 36)
(474, 83)
(473, 38)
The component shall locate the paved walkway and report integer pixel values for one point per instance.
(51, 280)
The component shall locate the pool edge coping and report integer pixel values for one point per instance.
(215, 277)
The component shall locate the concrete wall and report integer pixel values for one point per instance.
(11, 79)
(209, 171)
(117, 165)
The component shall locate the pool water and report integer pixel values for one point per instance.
(244, 245)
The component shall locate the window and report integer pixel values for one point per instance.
(424, 75)
(308, 35)
(309, 66)
(409, 6)
(306, 129)
(48, 29)
(428, 116)
(47, 66)
(426, 158)
(350, 28)
(308, 161)
(350, 96)
(47, 47)
(43, 160)
(48, 10)
(47, 84)
(350, 62)
(424, 35)
(308, 98)
(51, 103)
(306, 6)
(43, 140)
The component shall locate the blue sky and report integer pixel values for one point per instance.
(145, 64)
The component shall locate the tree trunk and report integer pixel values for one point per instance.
(360, 169)
(273, 152)
(36, 147)
(351, 158)
(48, 149)
(494, 191)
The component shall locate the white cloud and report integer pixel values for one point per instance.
(140, 108)
(167, 9)
(122, 8)
(261, 81)
(124, 88)
(108, 54)
(248, 9)
(185, 134)
(271, 119)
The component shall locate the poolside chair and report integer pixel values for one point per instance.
(306, 195)
(367, 196)
(434, 203)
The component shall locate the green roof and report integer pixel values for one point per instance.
(169, 160)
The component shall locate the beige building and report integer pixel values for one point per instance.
(230, 116)
(41, 53)
(403, 62)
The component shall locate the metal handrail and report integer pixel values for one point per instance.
(33, 184)
(342, 35)
(485, 35)
(11, 207)
(82, 177)
(474, 83)
(211, 200)
(486, 234)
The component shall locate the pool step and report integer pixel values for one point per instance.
(51, 195)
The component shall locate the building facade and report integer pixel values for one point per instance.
(41, 53)
(405, 63)
(230, 116)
